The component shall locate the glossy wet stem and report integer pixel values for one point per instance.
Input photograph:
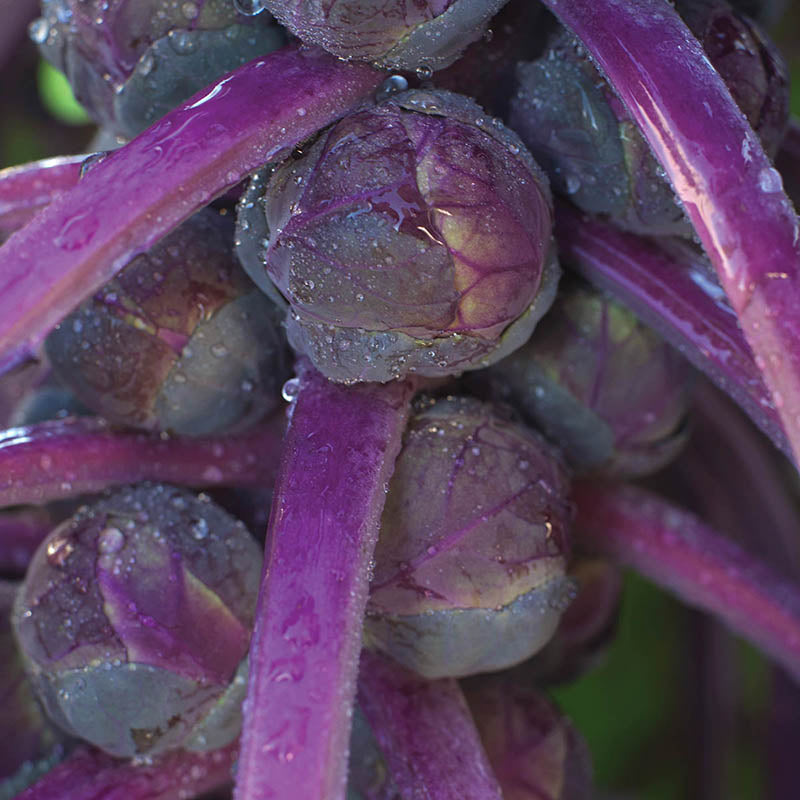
(339, 453)
(705, 569)
(426, 733)
(174, 168)
(728, 187)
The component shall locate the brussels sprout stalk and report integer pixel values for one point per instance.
(66, 458)
(88, 774)
(728, 187)
(174, 168)
(338, 455)
(26, 189)
(426, 733)
(670, 294)
(677, 551)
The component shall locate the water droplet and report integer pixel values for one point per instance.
(182, 42)
(392, 85)
(290, 389)
(190, 10)
(769, 180)
(146, 64)
(573, 184)
(199, 528)
(39, 30)
(91, 161)
(110, 540)
(250, 8)
(58, 551)
(424, 72)
(219, 351)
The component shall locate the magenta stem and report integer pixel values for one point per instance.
(66, 458)
(26, 189)
(674, 549)
(91, 775)
(140, 192)
(338, 455)
(672, 295)
(716, 164)
(426, 733)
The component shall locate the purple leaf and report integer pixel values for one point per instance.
(677, 551)
(338, 455)
(91, 775)
(129, 200)
(728, 187)
(675, 297)
(426, 733)
(66, 458)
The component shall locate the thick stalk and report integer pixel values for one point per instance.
(426, 733)
(674, 549)
(90, 775)
(674, 296)
(66, 458)
(726, 183)
(338, 455)
(140, 192)
(26, 189)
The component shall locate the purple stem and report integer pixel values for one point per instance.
(338, 455)
(426, 733)
(716, 164)
(674, 549)
(21, 532)
(26, 189)
(674, 296)
(92, 775)
(65, 458)
(140, 192)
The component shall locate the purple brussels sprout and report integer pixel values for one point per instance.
(131, 61)
(601, 384)
(471, 561)
(535, 751)
(425, 35)
(414, 236)
(591, 149)
(181, 340)
(113, 621)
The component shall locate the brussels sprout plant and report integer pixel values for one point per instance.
(429, 520)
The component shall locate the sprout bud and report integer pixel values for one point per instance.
(471, 560)
(131, 61)
(592, 150)
(113, 621)
(605, 387)
(412, 237)
(425, 35)
(180, 340)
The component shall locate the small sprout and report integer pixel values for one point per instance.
(535, 751)
(113, 621)
(605, 387)
(423, 36)
(179, 341)
(470, 565)
(411, 237)
(131, 61)
(591, 149)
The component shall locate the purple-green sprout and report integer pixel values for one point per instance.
(535, 751)
(131, 61)
(588, 142)
(600, 384)
(180, 341)
(471, 560)
(426, 35)
(113, 622)
(412, 238)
